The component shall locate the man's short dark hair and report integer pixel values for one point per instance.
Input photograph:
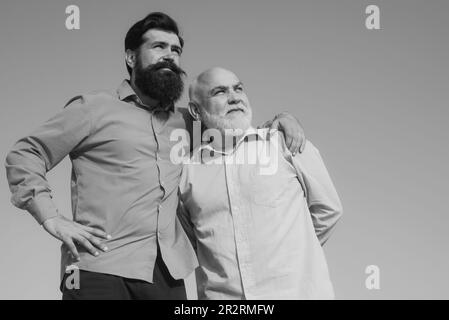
(155, 20)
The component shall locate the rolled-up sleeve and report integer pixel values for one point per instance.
(33, 156)
(322, 199)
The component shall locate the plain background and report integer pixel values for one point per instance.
(375, 102)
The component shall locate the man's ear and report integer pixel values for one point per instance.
(130, 58)
(194, 110)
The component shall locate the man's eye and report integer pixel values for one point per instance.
(239, 89)
(218, 92)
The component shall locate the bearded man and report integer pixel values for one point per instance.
(125, 238)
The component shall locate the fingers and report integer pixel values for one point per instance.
(86, 244)
(95, 241)
(289, 138)
(303, 145)
(289, 142)
(296, 144)
(274, 125)
(72, 248)
(72, 234)
(302, 138)
(96, 232)
(267, 124)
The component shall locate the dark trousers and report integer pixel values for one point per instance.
(100, 286)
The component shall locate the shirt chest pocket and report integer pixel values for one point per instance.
(264, 190)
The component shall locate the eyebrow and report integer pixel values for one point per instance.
(240, 83)
(165, 43)
(218, 88)
(177, 47)
(159, 42)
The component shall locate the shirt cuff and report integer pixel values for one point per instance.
(42, 208)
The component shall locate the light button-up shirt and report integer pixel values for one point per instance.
(258, 217)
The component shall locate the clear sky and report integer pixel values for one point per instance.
(375, 103)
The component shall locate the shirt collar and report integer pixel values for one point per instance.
(250, 133)
(126, 93)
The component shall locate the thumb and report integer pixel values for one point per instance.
(274, 125)
(273, 128)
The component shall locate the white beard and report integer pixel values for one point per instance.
(227, 126)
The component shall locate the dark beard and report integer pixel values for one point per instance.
(164, 86)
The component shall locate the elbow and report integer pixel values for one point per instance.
(339, 210)
(14, 155)
(10, 160)
(338, 213)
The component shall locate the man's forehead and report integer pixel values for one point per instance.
(218, 77)
(155, 35)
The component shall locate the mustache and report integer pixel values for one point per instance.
(166, 87)
(237, 105)
(165, 64)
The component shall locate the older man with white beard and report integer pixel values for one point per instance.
(258, 234)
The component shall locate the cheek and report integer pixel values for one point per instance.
(216, 107)
(176, 60)
(219, 107)
(148, 58)
(247, 104)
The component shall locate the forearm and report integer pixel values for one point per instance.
(322, 199)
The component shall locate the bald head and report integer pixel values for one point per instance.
(205, 81)
(217, 99)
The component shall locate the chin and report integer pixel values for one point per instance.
(240, 125)
(223, 124)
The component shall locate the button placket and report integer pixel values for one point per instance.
(156, 129)
(242, 244)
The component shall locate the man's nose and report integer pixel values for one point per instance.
(169, 57)
(234, 97)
